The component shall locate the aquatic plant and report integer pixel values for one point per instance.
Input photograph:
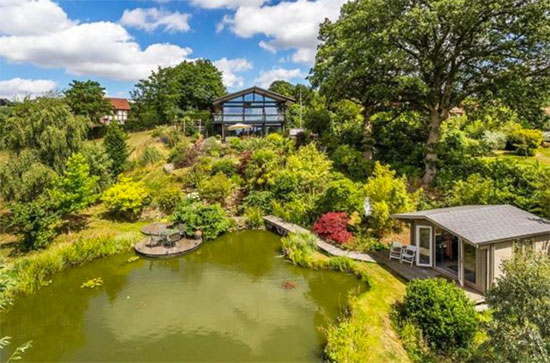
(132, 259)
(17, 353)
(92, 283)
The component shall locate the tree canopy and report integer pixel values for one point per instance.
(45, 126)
(430, 56)
(86, 98)
(189, 86)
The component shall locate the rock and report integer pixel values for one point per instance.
(169, 168)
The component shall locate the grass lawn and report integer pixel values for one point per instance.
(386, 290)
(542, 157)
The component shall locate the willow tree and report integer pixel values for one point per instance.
(431, 55)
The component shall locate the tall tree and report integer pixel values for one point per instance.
(76, 188)
(45, 126)
(87, 99)
(430, 55)
(189, 86)
(116, 146)
(519, 328)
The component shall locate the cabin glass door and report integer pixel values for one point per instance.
(424, 241)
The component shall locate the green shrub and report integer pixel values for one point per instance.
(226, 166)
(183, 154)
(351, 162)
(312, 168)
(341, 195)
(474, 190)
(216, 189)
(99, 163)
(35, 222)
(518, 330)
(525, 141)
(167, 135)
(254, 217)
(299, 211)
(168, 198)
(259, 199)
(126, 198)
(285, 186)
(150, 155)
(495, 140)
(75, 189)
(442, 311)
(261, 169)
(299, 248)
(197, 216)
(387, 195)
(199, 172)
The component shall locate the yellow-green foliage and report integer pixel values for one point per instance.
(216, 189)
(27, 274)
(126, 197)
(387, 195)
(311, 167)
(525, 141)
(254, 217)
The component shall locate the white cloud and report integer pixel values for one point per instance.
(287, 25)
(18, 87)
(152, 18)
(231, 4)
(267, 77)
(229, 68)
(21, 17)
(102, 49)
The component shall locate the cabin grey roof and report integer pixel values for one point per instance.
(481, 224)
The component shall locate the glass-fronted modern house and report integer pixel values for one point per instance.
(254, 109)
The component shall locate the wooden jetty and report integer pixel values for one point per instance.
(284, 228)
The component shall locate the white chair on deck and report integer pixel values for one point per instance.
(396, 250)
(409, 255)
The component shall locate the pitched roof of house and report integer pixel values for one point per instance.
(119, 103)
(255, 89)
(482, 224)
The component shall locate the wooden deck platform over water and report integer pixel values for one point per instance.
(180, 247)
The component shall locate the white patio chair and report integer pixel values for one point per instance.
(395, 250)
(409, 254)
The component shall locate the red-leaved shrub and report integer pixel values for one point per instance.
(332, 226)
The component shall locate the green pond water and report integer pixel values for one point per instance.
(223, 302)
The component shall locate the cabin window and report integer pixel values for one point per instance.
(470, 263)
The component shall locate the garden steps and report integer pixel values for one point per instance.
(283, 228)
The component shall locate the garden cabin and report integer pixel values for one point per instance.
(253, 110)
(469, 243)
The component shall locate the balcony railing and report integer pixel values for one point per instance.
(230, 118)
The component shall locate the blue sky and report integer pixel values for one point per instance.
(44, 44)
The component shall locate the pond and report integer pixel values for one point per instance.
(227, 301)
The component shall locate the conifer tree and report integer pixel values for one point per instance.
(116, 145)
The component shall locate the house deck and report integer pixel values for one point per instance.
(409, 272)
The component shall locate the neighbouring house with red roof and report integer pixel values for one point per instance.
(121, 107)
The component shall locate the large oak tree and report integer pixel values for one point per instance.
(431, 55)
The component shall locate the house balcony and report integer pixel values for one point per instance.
(227, 118)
